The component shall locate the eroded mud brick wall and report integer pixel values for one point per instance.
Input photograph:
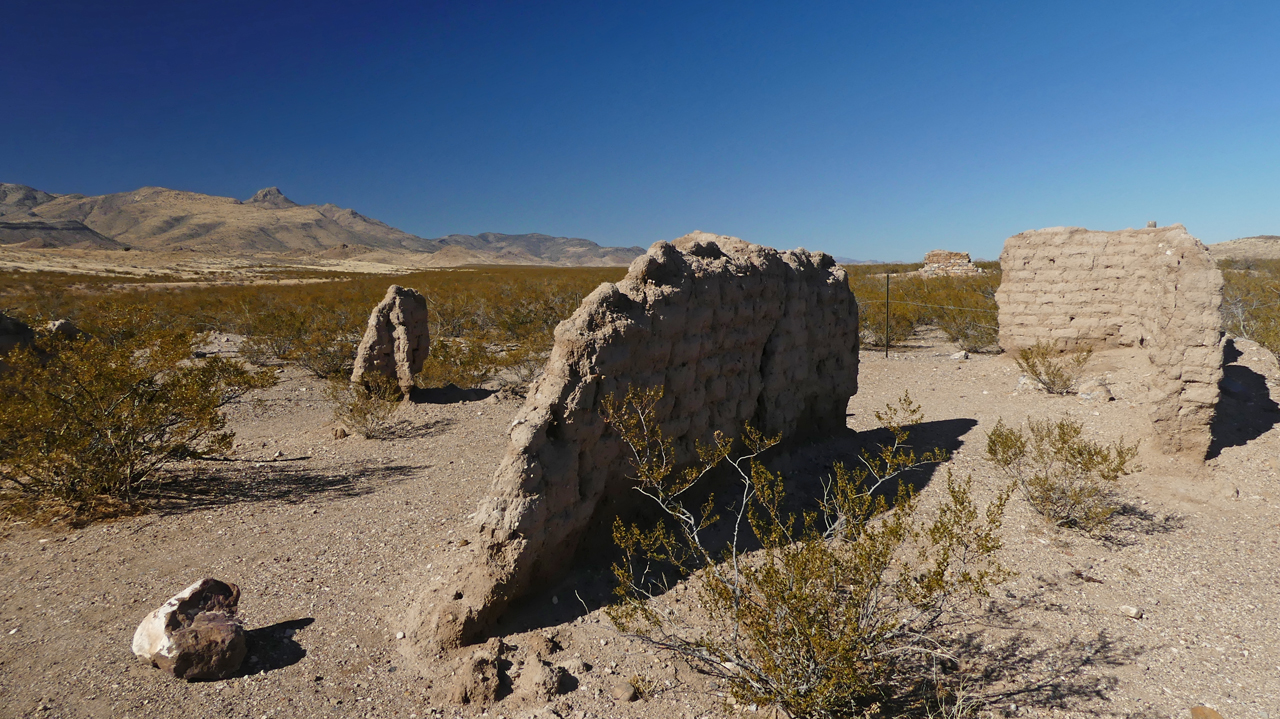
(1156, 288)
(397, 338)
(733, 332)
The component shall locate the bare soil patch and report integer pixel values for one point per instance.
(329, 538)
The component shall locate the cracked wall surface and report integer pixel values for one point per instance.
(734, 332)
(1153, 288)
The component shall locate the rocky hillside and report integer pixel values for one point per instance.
(19, 199)
(1261, 247)
(155, 218)
(535, 248)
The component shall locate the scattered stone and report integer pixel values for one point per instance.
(541, 681)
(477, 682)
(1095, 390)
(195, 634)
(734, 332)
(1204, 712)
(396, 340)
(961, 355)
(575, 666)
(66, 328)
(623, 690)
(1155, 289)
(1131, 612)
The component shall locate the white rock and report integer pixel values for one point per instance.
(1131, 612)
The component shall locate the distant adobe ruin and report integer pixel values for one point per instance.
(734, 332)
(942, 263)
(1154, 288)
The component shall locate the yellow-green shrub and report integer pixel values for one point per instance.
(1056, 372)
(1251, 301)
(364, 407)
(1066, 478)
(839, 608)
(99, 415)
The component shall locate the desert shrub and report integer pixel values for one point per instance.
(1055, 372)
(519, 364)
(840, 608)
(1251, 301)
(973, 331)
(321, 339)
(903, 317)
(962, 307)
(365, 407)
(462, 363)
(1065, 477)
(99, 415)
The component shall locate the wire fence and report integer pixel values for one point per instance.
(940, 307)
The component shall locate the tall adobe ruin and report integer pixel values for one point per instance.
(734, 332)
(1154, 288)
(397, 338)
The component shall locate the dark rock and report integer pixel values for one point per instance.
(195, 634)
(213, 647)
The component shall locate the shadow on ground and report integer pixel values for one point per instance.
(1245, 408)
(805, 466)
(230, 482)
(449, 394)
(408, 429)
(273, 647)
(1066, 675)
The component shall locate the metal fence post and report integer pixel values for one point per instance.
(886, 314)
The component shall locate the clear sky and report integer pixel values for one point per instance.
(869, 130)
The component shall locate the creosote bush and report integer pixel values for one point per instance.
(320, 339)
(462, 363)
(98, 415)
(964, 308)
(1251, 301)
(365, 407)
(1066, 478)
(508, 313)
(1055, 372)
(828, 612)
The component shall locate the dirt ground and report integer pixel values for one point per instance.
(327, 539)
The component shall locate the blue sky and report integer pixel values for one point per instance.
(869, 130)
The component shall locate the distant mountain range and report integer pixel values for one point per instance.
(155, 218)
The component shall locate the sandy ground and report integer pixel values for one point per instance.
(328, 538)
(202, 267)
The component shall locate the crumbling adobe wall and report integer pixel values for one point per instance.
(1155, 288)
(396, 340)
(734, 332)
(941, 263)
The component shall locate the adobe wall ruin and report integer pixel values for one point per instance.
(1154, 288)
(942, 263)
(396, 339)
(734, 332)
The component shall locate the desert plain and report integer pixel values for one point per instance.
(328, 538)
